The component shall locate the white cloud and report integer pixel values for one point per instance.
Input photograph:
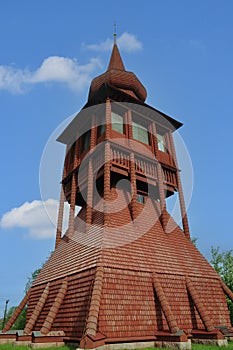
(63, 70)
(12, 79)
(129, 42)
(53, 69)
(126, 42)
(37, 217)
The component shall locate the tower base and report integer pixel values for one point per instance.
(218, 342)
(145, 345)
(160, 340)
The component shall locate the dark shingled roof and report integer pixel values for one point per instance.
(117, 76)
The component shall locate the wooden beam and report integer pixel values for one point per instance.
(36, 312)
(16, 313)
(197, 302)
(165, 305)
(47, 325)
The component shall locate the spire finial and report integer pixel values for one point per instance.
(115, 34)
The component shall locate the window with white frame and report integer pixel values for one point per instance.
(161, 143)
(117, 122)
(140, 133)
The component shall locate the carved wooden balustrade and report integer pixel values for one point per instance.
(145, 168)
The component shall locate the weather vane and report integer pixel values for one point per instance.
(115, 34)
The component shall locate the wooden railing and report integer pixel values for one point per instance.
(120, 158)
(145, 167)
(169, 176)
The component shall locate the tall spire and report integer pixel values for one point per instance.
(115, 60)
(118, 77)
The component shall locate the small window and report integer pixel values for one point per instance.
(140, 133)
(117, 122)
(100, 130)
(85, 143)
(141, 199)
(72, 152)
(161, 143)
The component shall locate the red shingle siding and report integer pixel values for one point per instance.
(127, 305)
(72, 314)
(130, 255)
(213, 300)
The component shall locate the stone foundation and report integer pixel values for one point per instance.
(174, 345)
(142, 345)
(7, 341)
(30, 344)
(129, 346)
(218, 342)
(46, 345)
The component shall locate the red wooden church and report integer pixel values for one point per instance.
(124, 272)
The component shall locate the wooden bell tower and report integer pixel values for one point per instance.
(138, 146)
(124, 272)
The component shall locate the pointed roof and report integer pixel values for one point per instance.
(128, 256)
(116, 60)
(148, 248)
(119, 78)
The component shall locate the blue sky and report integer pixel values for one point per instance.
(50, 50)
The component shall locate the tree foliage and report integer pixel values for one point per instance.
(31, 279)
(21, 320)
(222, 262)
(194, 241)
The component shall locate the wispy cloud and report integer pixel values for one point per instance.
(62, 70)
(37, 217)
(126, 42)
(57, 69)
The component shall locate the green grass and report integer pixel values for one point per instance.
(200, 347)
(194, 347)
(211, 347)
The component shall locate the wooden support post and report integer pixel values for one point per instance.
(180, 190)
(227, 290)
(132, 169)
(60, 217)
(107, 164)
(164, 304)
(133, 186)
(162, 199)
(92, 320)
(89, 206)
(130, 127)
(197, 301)
(16, 313)
(107, 183)
(72, 205)
(93, 133)
(55, 308)
(108, 120)
(36, 312)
